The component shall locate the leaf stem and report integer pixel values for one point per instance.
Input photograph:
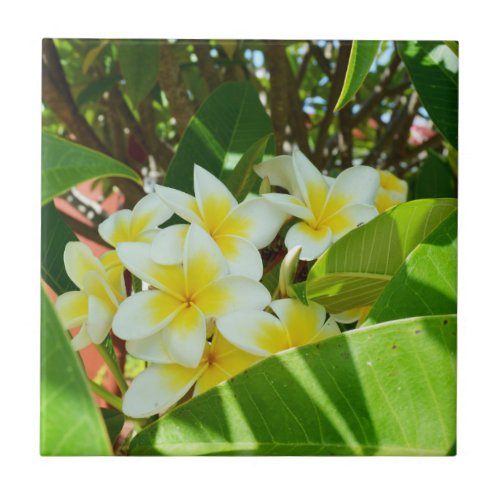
(111, 399)
(113, 368)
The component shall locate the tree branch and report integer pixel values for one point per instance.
(57, 95)
(345, 136)
(296, 113)
(379, 91)
(337, 81)
(277, 64)
(206, 64)
(170, 80)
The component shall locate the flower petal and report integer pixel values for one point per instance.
(144, 314)
(168, 245)
(185, 337)
(99, 319)
(203, 260)
(256, 332)
(227, 362)
(81, 339)
(147, 236)
(349, 316)
(280, 172)
(349, 218)
(302, 322)
(257, 220)
(150, 349)
(72, 309)
(95, 284)
(387, 199)
(114, 273)
(312, 185)
(78, 260)
(291, 205)
(232, 293)
(149, 213)
(116, 228)
(181, 203)
(352, 186)
(392, 183)
(137, 259)
(329, 329)
(313, 241)
(242, 256)
(157, 388)
(215, 201)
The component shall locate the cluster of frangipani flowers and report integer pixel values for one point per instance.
(202, 315)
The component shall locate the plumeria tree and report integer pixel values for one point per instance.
(258, 241)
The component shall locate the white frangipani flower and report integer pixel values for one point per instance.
(93, 307)
(329, 208)
(392, 191)
(175, 314)
(162, 385)
(139, 224)
(238, 229)
(262, 334)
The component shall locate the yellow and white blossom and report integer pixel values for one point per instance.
(262, 334)
(392, 191)
(93, 307)
(162, 385)
(185, 297)
(329, 208)
(139, 224)
(238, 229)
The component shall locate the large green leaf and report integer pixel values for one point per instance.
(243, 179)
(139, 63)
(55, 235)
(427, 281)
(71, 423)
(228, 123)
(66, 164)
(383, 390)
(435, 178)
(355, 269)
(433, 69)
(362, 55)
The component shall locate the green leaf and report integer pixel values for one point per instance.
(66, 164)
(139, 64)
(362, 55)
(384, 390)
(114, 421)
(55, 235)
(433, 69)
(71, 423)
(271, 279)
(426, 283)
(435, 179)
(94, 91)
(228, 123)
(243, 180)
(354, 270)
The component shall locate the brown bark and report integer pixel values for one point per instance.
(207, 65)
(337, 82)
(277, 64)
(170, 80)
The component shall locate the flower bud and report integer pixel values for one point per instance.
(265, 186)
(288, 269)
